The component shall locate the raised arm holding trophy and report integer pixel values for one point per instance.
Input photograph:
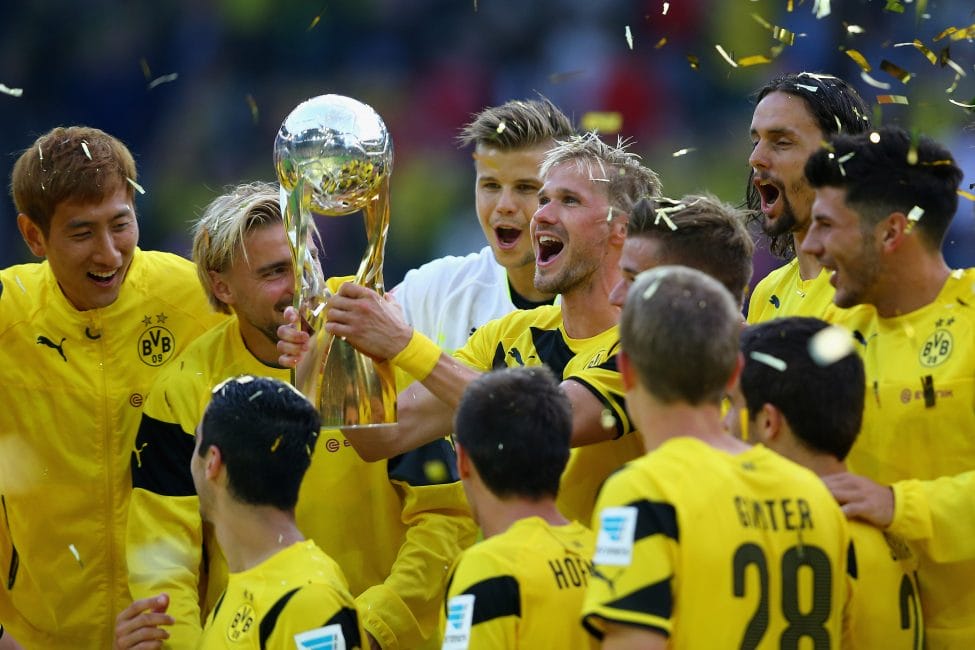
(333, 156)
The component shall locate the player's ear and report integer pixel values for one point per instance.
(627, 371)
(32, 235)
(768, 425)
(221, 289)
(463, 461)
(892, 231)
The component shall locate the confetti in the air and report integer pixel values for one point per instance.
(138, 188)
(756, 59)
(146, 72)
(882, 85)
(652, 289)
(660, 43)
(830, 344)
(666, 8)
(894, 6)
(853, 29)
(253, 106)
(682, 152)
(874, 137)
(276, 444)
(784, 35)
(694, 61)
(895, 71)
(726, 56)
(13, 92)
(77, 556)
(922, 48)
(84, 147)
(629, 37)
(962, 104)
(602, 121)
(821, 8)
(314, 22)
(761, 21)
(892, 99)
(860, 59)
(770, 361)
(166, 78)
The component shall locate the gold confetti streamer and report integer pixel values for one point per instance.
(947, 32)
(922, 48)
(660, 43)
(602, 121)
(967, 195)
(968, 32)
(895, 71)
(757, 59)
(789, 6)
(860, 59)
(253, 106)
(682, 152)
(146, 72)
(892, 99)
(894, 6)
(166, 78)
(84, 147)
(772, 362)
(277, 443)
(726, 56)
(784, 35)
(873, 82)
(694, 61)
(138, 188)
(629, 37)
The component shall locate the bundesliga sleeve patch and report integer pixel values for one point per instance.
(614, 544)
(460, 613)
(329, 637)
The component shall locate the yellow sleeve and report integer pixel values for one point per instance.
(479, 351)
(164, 534)
(757, 300)
(937, 515)
(403, 611)
(494, 598)
(301, 623)
(606, 384)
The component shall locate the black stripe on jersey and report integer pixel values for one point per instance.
(655, 600)
(613, 405)
(655, 518)
(599, 635)
(435, 463)
(851, 561)
(494, 598)
(349, 621)
(552, 349)
(216, 608)
(497, 363)
(161, 459)
(271, 618)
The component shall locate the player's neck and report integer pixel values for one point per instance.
(659, 422)
(522, 281)
(249, 535)
(822, 464)
(809, 266)
(910, 281)
(496, 515)
(259, 345)
(586, 309)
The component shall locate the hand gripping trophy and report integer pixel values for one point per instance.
(333, 157)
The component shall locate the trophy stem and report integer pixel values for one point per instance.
(376, 213)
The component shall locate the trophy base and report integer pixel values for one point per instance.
(371, 441)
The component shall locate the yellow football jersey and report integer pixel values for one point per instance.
(522, 588)
(917, 424)
(716, 550)
(297, 598)
(537, 337)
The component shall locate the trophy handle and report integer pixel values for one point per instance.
(376, 214)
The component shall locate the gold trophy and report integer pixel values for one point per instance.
(333, 156)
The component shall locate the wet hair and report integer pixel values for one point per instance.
(708, 235)
(822, 403)
(893, 174)
(266, 432)
(679, 329)
(77, 164)
(626, 180)
(515, 425)
(517, 124)
(834, 105)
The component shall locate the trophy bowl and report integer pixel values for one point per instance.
(338, 145)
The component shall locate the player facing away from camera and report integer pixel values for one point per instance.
(706, 542)
(791, 372)
(521, 586)
(253, 446)
(878, 225)
(794, 114)
(448, 298)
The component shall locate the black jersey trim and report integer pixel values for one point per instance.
(655, 600)
(611, 404)
(495, 598)
(599, 635)
(435, 463)
(655, 518)
(161, 459)
(552, 350)
(271, 618)
(348, 620)
(851, 561)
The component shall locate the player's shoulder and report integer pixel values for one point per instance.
(22, 288)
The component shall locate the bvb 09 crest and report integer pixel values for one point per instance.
(242, 623)
(937, 348)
